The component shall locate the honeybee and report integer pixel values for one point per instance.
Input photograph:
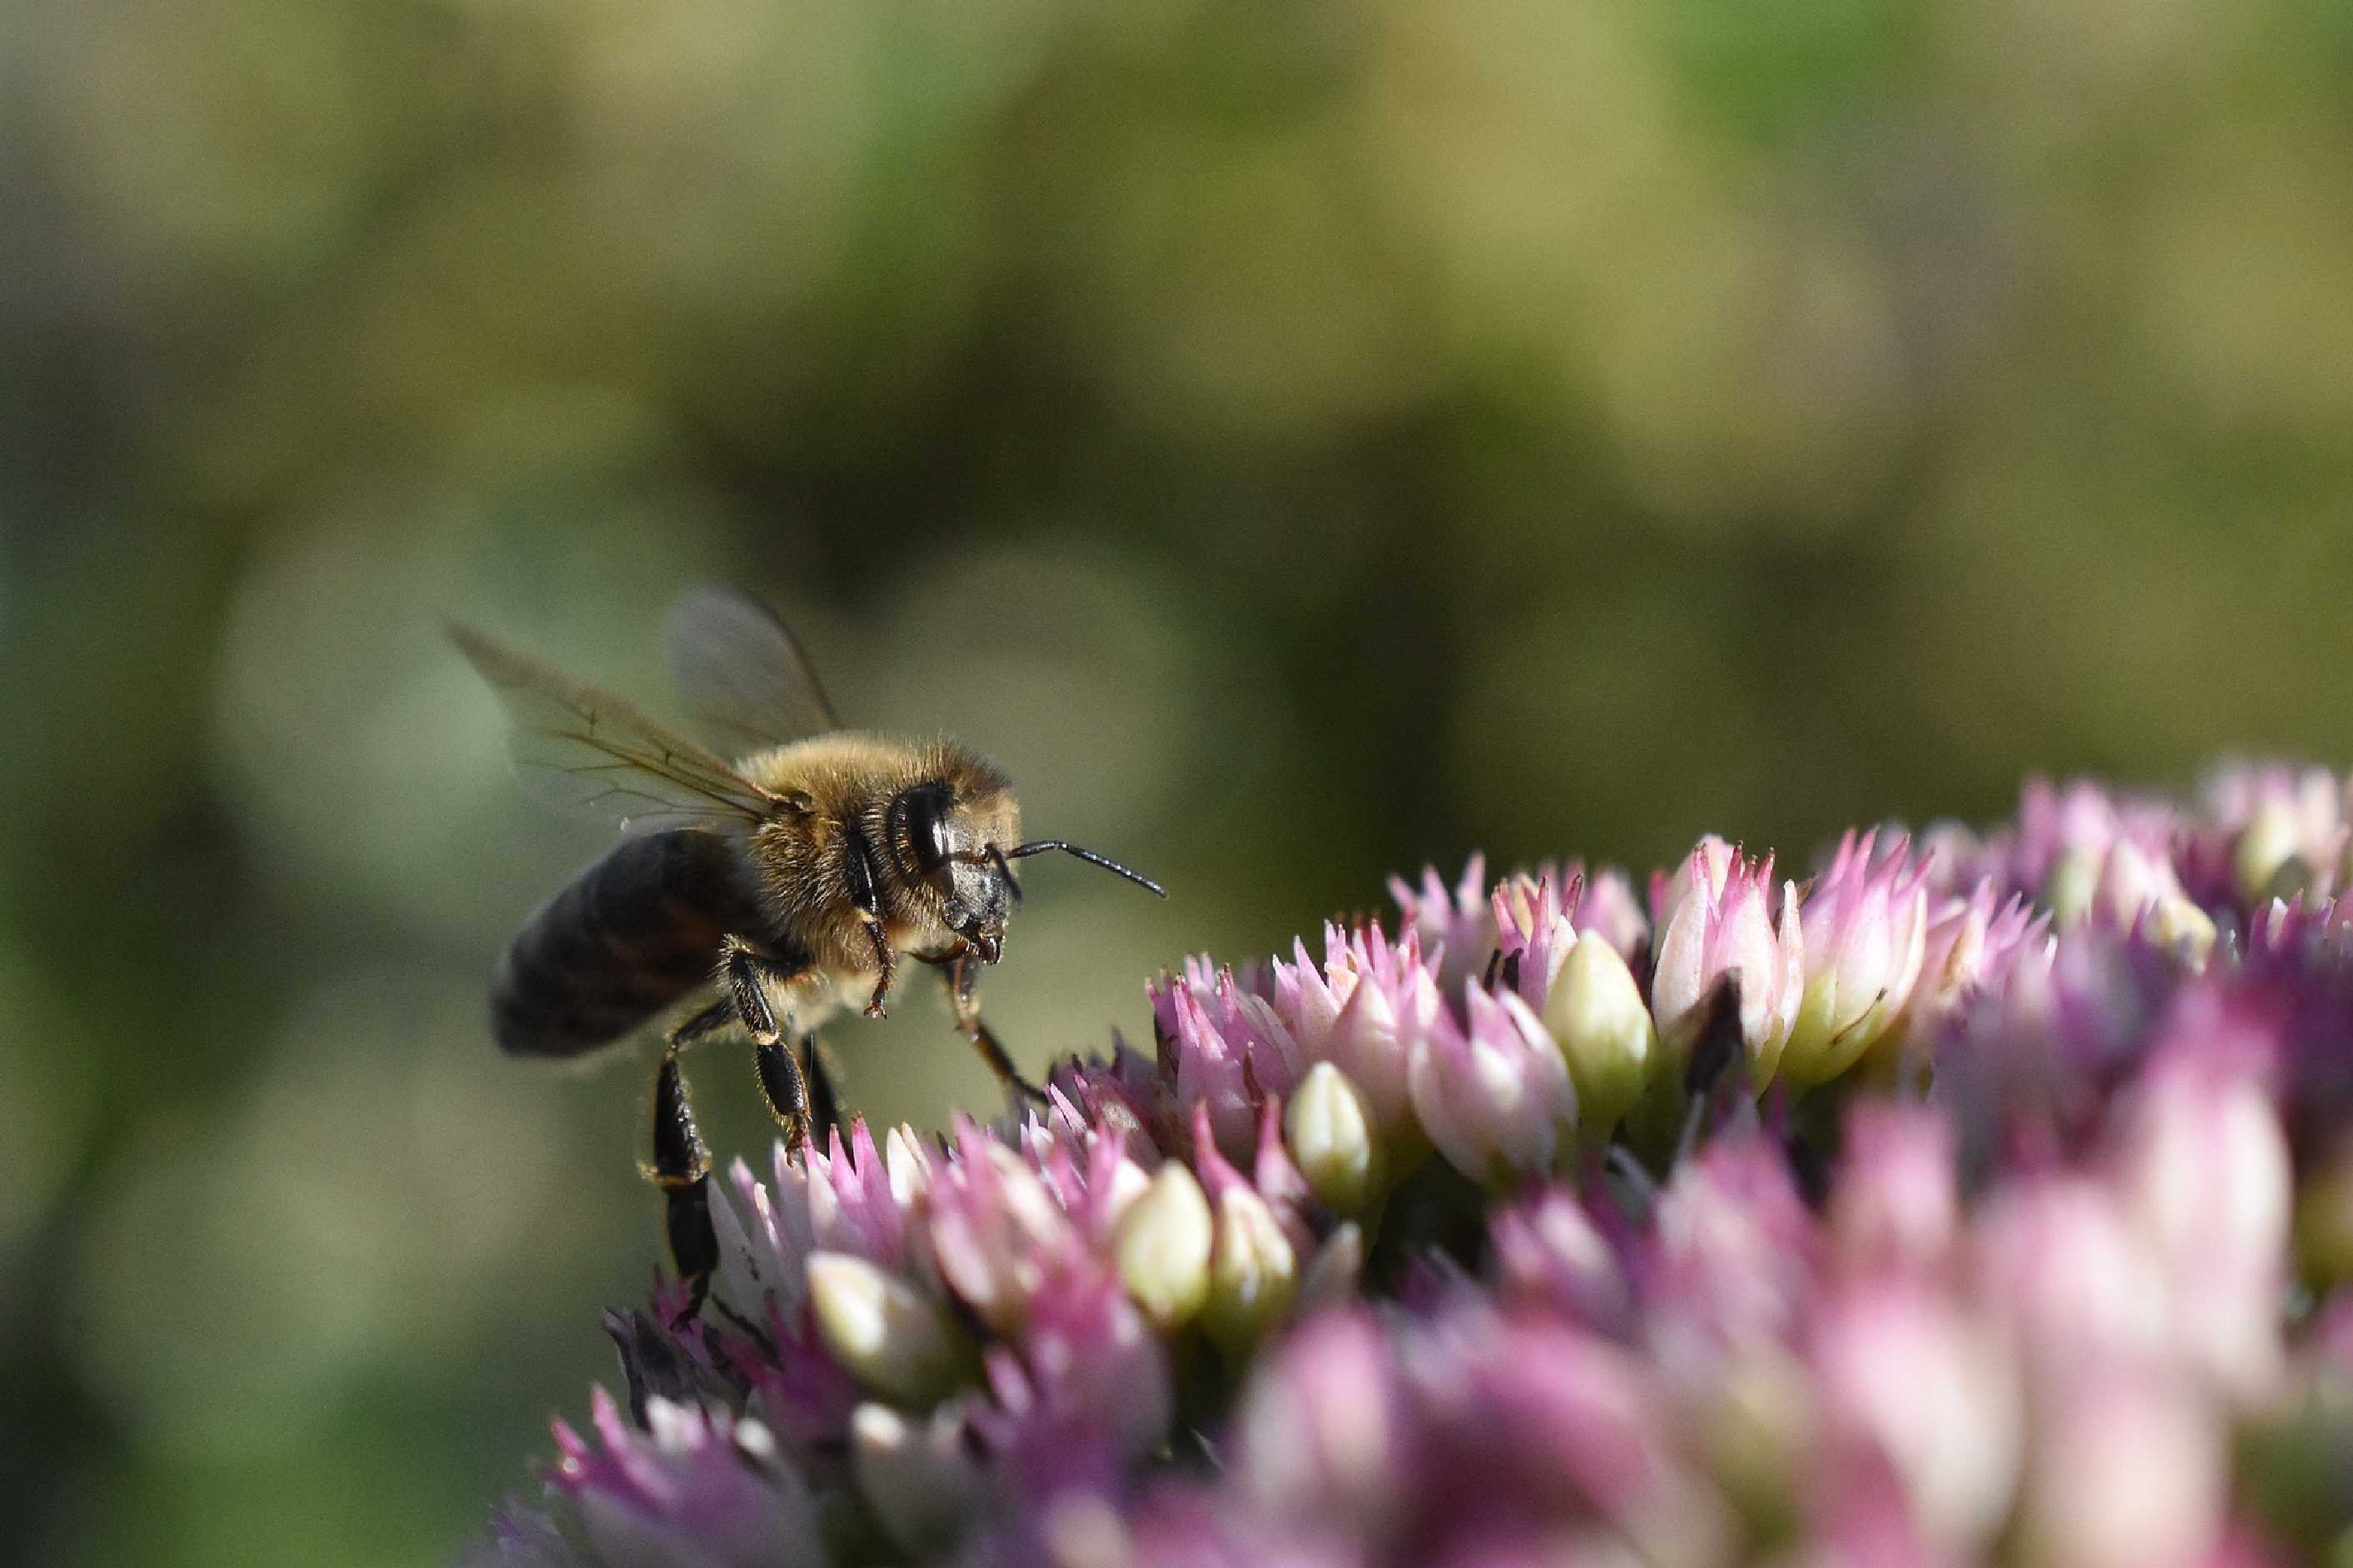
(774, 890)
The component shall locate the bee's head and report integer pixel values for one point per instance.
(956, 836)
(950, 838)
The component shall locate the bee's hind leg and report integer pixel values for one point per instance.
(681, 1162)
(682, 1168)
(827, 1108)
(962, 975)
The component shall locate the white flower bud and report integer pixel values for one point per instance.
(920, 1482)
(1597, 1014)
(1128, 1183)
(2068, 891)
(2273, 836)
(1161, 1246)
(2181, 927)
(883, 1330)
(1333, 1142)
(1253, 1272)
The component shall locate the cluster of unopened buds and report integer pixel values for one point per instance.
(1975, 1199)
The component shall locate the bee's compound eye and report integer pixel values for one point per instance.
(924, 810)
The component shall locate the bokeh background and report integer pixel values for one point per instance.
(1301, 441)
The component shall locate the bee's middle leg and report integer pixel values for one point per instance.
(962, 975)
(747, 975)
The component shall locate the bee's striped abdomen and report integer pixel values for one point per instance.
(630, 936)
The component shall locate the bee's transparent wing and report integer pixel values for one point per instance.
(587, 751)
(745, 679)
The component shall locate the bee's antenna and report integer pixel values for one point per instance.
(1039, 847)
(1006, 870)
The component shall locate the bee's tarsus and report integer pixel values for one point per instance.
(694, 1242)
(785, 1090)
(824, 1087)
(961, 974)
(886, 964)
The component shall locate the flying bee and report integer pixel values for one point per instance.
(772, 889)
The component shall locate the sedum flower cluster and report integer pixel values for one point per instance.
(1972, 1199)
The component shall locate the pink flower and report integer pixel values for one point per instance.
(1456, 927)
(1322, 1429)
(1967, 947)
(1495, 1095)
(1715, 920)
(1254, 1261)
(1540, 1420)
(996, 1233)
(2059, 1266)
(2203, 1175)
(692, 1485)
(1551, 1250)
(1731, 1260)
(1865, 931)
(2063, 829)
(1538, 919)
(1094, 1362)
(1229, 1049)
(2127, 1471)
(1360, 1011)
(1907, 1379)
(1896, 1206)
(853, 1200)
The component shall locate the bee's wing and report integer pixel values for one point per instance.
(742, 676)
(586, 750)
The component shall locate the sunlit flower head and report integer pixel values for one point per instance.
(2024, 1235)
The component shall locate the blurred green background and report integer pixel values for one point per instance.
(1299, 440)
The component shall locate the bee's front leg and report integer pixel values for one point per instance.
(864, 881)
(885, 961)
(961, 970)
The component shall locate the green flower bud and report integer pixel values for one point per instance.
(920, 1482)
